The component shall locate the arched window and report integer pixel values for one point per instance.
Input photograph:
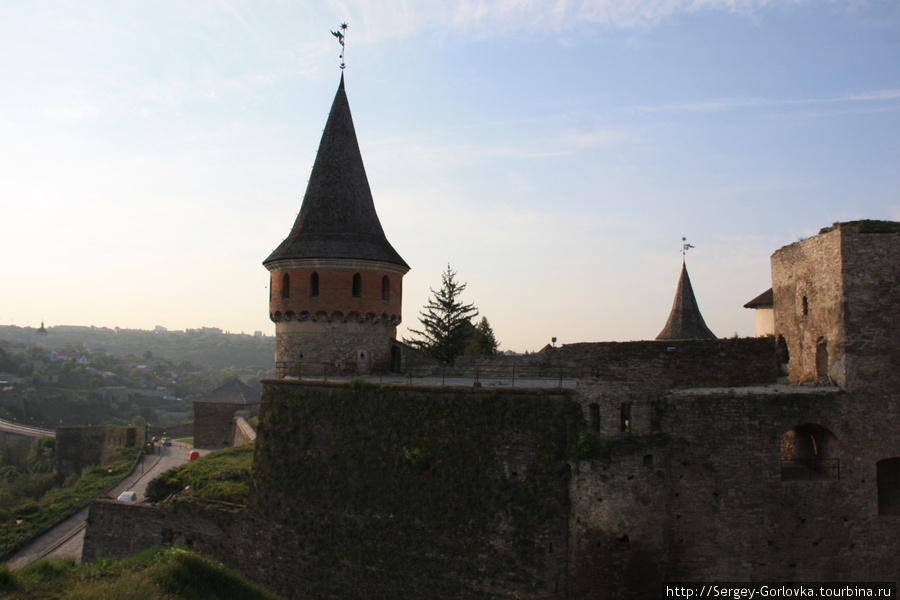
(286, 286)
(357, 285)
(385, 288)
(314, 285)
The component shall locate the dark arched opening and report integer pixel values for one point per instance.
(808, 453)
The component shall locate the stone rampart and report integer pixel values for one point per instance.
(405, 491)
(871, 274)
(663, 364)
(78, 447)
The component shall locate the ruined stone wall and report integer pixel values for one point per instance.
(871, 293)
(833, 295)
(807, 287)
(697, 494)
(663, 364)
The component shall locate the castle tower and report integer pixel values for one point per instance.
(685, 321)
(835, 303)
(336, 283)
(42, 336)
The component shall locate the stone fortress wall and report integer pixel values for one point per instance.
(642, 474)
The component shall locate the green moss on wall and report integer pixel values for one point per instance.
(453, 487)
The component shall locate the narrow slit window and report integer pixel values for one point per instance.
(314, 285)
(595, 416)
(385, 288)
(625, 416)
(286, 286)
(357, 285)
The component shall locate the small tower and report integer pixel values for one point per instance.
(42, 336)
(685, 321)
(336, 283)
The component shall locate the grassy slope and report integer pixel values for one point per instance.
(157, 574)
(217, 476)
(63, 500)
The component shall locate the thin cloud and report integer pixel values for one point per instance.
(398, 18)
(726, 104)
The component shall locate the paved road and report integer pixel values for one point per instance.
(25, 430)
(66, 539)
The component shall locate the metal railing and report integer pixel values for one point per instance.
(512, 375)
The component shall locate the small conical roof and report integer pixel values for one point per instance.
(685, 321)
(233, 392)
(337, 218)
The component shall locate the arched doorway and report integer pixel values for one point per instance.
(808, 453)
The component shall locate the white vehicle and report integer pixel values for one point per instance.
(128, 496)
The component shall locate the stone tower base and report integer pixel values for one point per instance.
(334, 345)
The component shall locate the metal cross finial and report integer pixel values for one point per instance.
(340, 37)
(684, 247)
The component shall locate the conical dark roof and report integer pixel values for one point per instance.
(685, 321)
(337, 218)
(233, 392)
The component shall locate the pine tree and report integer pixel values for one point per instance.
(446, 321)
(483, 342)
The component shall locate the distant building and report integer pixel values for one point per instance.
(214, 413)
(764, 305)
(42, 336)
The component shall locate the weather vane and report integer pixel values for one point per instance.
(684, 247)
(340, 38)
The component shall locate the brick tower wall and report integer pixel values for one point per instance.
(339, 327)
(871, 291)
(807, 288)
(335, 292)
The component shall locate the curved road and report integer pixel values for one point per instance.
(66, 538)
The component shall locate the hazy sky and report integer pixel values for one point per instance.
(153, 154)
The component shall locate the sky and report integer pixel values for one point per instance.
(553, 153)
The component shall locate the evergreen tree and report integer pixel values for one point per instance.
(483, 342)
(446, 321)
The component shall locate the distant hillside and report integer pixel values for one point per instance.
(205, 347)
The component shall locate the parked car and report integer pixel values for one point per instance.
(167, 441)
(128, 496)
